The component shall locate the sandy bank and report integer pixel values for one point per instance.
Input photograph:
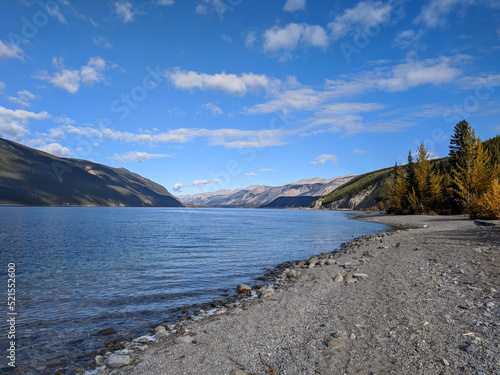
(424, 300)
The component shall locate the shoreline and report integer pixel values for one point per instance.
(285, 283)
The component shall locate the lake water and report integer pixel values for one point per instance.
(81, 270)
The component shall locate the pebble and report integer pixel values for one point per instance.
(244, 289)
(185, 340)
(98, 360)
(360, 276)
(445, 362)
(238, 372)
(350, 279)
(292, 273)
(160, 330)
(118, 360)
(339, 278)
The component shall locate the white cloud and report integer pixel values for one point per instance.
(14, 123)
(228, 138)
(231, 84)
(358, 151)
(23, 98)
(250, 39)
(205, 7)
(267, 170)
(136, 156)
(101, 41)
(70, 79)
(56, 149)
(216, 110)
(226, 38)
(166, 2)
(293, 5)
(201, 183)
(435, 12)
(2, 86)
(10, 51)
(123, 10)
(64, 120)
(291, 36)
(365, 14)
(198, 183)
(250, 174)
(408, 39)
(93, 71)
(322, 159)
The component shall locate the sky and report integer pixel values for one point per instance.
(205, 95)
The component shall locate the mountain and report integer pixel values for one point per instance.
(359, 193)
(297, 194)
(34, 178)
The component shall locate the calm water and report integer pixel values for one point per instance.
(81, 270)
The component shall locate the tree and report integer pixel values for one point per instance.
(473, 174)
(461, 141)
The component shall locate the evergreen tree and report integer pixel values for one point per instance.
(461, 141)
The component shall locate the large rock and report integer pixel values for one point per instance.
(339, 278)
(118, 360)
(244, 289)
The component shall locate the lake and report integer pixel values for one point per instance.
(80, 270)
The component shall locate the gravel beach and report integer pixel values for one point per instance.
(423, 300)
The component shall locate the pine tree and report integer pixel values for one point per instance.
(461, 141)
(422, 171)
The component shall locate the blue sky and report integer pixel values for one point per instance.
(212, 94)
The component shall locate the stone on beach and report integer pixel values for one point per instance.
(244, 289)
(360, 276)
(339, 278)
(118, 360)
(160, 330)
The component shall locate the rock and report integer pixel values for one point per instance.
(353, 336)
(360, 276)
(350, 265)
(350, 279)
(368, 253)
(311, 265)
(471, 348)
(185, 340)
(490, 304)
(445, 362)
(238, 372)
(292, 273)
(418, 248)
(339, 278)
(160, 330)
(330, 262)
(269, 292)
(98, 360)
(79, 369)
(312, 260)
(117, 361)
(107, 331)
(244, 289)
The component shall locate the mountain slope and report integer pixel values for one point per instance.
(261, 195)
(35, 178)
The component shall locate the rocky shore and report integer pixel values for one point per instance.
(424, 300)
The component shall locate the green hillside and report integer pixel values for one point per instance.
(35, 178)
(357, 185)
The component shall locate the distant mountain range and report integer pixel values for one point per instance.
(298, 194)
(34, 178)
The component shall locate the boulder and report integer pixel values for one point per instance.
(244, 289)
(118, 360)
